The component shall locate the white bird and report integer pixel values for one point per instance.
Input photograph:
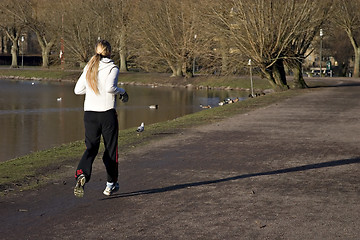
(140, 128)
(154, 106)
(59, 99)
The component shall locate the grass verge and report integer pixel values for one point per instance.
(37, 73)
(242, 82)
(35, 169)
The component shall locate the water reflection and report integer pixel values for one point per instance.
(33, 117)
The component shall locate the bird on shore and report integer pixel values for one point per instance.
(205, 106)
(229, 101)
(154, 106)
(140, 128)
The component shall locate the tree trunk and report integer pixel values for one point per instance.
(356, 52)
(276, 75)
(176, 71)
(13, 34)
(179, 72)
(299, 81)
(45, 47)
(14, 54)
(185, 71)
(45, 57)
(122, 53)
(224, 63)
(268, 74)
(279, 75)
(224, 56)
(123, 63)
(4, 44)
(357, 62)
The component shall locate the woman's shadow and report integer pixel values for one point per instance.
(195, 184)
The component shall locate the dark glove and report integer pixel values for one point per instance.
(124, 97)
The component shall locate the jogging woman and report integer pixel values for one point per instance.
(99, 84)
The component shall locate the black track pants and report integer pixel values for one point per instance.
(97, 124)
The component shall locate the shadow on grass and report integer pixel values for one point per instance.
(275, 172)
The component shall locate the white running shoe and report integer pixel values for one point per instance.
(110, 189)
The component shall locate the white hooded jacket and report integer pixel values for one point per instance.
(107, 85)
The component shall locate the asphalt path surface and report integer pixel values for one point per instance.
(286, 171)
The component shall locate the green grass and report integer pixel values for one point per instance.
(199, 80)
(34, 169)
(142, 78)
(39, 73)
(234, 82)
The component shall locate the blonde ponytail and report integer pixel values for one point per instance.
(91, 74)
(102, 49)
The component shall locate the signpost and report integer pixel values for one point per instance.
(251, 79)
(321, 36)
(193, 70)
(22, 51)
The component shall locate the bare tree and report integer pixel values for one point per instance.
(347, 17)
(45, 21)
(41, 17)
(268, 32)
(114, 18)
(311, 17)
(108, 19)
(213, 47)
(81, 29)
(166, 30)
(12, 27)
(122, 17)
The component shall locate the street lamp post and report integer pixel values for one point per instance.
(321, 36)
(22, 51)
(251, 79)
(193, 70)
(62, 60)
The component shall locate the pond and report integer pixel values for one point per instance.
(39, 115)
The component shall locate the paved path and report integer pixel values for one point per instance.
(286, 171)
